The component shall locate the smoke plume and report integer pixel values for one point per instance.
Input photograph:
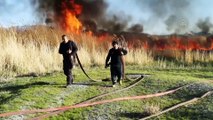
(149, 16)
(170, 12)
(205, 25)
(93, 14)
(137, 28)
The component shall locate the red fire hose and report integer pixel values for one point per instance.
(89, 104)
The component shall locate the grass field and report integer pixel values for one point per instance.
(48, 91)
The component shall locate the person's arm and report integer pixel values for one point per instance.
(74, 48)
(60, 51)
(123, 66)
(124, 51)
(107, 59)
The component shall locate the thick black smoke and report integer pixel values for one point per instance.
(93, 14)
(137, 28)
(205, 25)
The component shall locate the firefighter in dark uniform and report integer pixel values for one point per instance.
(68, 49)
(114, 59)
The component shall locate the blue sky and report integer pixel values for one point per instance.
(21, 12)
(17, 13)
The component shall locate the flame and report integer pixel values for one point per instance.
(211, 45)
(90, 33)
(71, 24)
(103, 37)
(179, 43)
(145, 45)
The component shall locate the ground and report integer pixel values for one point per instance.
(49, 91)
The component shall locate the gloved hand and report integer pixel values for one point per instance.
(69, 51)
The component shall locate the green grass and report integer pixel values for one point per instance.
(48, 91)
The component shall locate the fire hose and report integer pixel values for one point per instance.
(178, 105)
(92, 99)
(133, 75)
(64, 108)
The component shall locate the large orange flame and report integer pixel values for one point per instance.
(71, 23)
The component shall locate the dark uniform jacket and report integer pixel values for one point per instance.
(115, 56)
(64, 47)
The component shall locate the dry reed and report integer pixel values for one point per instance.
(35, 50)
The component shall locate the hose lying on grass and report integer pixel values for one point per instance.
(178, 105)
(91, 104)
(112, 100)
(138, 80)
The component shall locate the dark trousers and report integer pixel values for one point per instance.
(116, 72)
(68, 73)
(67, 67)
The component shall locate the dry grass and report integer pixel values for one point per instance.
(22, 59)
(150, 109)
(23, 53)
(35, 50)
(139, 56)
(196, 56)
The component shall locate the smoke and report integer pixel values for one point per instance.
(92, 9)
(93, 14)
(164, 8)
(153, 16)
(137, 28)
(205, 25)
(178, 24)
(171, 13)
(114, 23)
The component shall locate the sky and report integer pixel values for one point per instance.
(17, 13)
(152, 14)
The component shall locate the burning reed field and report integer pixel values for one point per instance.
(34, 50)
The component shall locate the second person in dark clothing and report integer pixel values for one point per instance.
(114, 59)
(68, 49)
